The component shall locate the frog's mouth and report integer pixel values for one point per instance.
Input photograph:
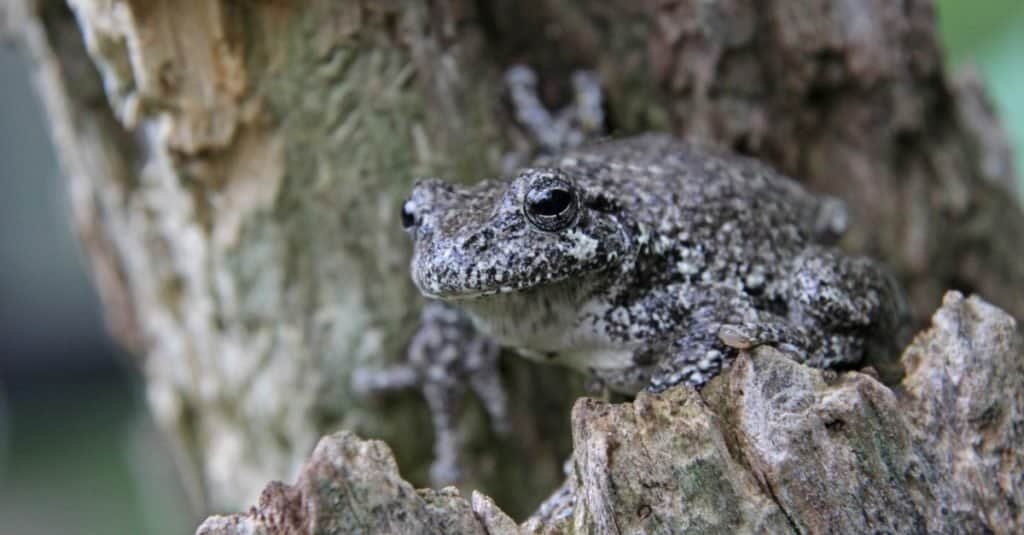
(435, 289)
(467, 295)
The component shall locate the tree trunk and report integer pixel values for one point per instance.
(236, 175)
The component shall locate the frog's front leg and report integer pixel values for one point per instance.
(444, 357)
(716, 332)
(457, 356)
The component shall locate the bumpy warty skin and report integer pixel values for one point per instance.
(648, 262)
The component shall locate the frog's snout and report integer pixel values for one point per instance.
(424, 195)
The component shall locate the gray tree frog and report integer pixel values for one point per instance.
(447, 354)
(644, 262)
(647, 262)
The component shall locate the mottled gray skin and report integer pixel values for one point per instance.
(648, 262)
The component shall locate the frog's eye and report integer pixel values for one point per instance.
(408, 215)
(551, 205)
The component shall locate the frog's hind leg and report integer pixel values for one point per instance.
(555, 131)
(844, 292)
(841, 311)
(857, 306)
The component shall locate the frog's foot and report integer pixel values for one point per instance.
(818, 349)
(569, 127)
(444, 357)
(693, 360)
(707, 348)
(444, 399)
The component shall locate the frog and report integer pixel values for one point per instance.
(647, 262)
(446, 357)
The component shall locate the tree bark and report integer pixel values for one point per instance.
(236, 173)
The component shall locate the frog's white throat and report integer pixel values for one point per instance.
(541, 319)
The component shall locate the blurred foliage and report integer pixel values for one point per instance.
(989, 36)
(83, 459)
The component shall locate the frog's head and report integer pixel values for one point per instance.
(535, 229)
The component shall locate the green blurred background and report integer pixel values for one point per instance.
(78, 453)
(988, 36)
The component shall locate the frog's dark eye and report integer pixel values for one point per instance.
(550, 202)
(551, 205)
(408, 216)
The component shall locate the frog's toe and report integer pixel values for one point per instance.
(694, 363)
(773, 331)
(736, 336)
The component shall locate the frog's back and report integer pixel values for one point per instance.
(663, 181)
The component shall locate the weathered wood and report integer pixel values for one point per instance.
(236, 175)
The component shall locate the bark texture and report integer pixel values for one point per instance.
(236, 175)
(236, 171)
(770, 446)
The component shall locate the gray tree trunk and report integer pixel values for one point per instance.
(236, 171)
